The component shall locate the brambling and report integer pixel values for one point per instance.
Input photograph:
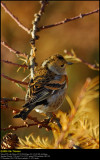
(48, 88)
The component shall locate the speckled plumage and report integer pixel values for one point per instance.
(48, 89)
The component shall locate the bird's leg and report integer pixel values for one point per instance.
(48, 119)
(56, 120)
(52, 118)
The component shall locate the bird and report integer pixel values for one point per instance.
(48, 88)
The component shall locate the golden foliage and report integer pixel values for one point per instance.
(31, 142)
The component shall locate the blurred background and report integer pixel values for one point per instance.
(80, 35)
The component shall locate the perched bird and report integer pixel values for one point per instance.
(48, 89)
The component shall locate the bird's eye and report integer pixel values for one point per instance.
(62, 65)
(60, 57)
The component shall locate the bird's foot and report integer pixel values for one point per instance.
(52, 118)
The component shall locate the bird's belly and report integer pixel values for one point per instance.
(54, 102)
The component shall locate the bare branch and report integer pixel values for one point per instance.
(15, 18)
(19, 65)
(15, 99)
(34, 36)
(68, 20)
(14, 80)
(43, 5)
(40, 124)
(26, 125)
(17, 127)
(92, 66)
(13, 50)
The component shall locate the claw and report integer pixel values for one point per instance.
(56, 120)
(52, 118)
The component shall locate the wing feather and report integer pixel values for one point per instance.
(45, 83)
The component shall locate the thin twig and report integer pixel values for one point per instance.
(15, 99)
(26, 125)
(19, 65)
(92, 66)
(13, 50)
(15, 18)
(68, 20)
(14, 80)
(71, 117)
(17, 127)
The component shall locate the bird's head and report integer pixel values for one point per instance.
(56, 64)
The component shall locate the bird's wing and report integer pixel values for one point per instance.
(57, 83)
(44, 84)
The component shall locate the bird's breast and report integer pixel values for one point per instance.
(56, 100)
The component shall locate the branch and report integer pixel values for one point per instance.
(78, 59)
(14, 80)
(71, 117)
(15, 18)
(4, 103)
(34, 36)
(13, 50)
(19, 65)
(27, 125)
(92, 66)
(15, 99)
(68, 20)
(16, 127)
(36, 122)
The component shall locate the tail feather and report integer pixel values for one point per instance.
(24, 113)
(26, 105)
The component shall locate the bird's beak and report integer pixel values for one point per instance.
(69, 63)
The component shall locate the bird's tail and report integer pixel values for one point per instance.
(24, 113)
